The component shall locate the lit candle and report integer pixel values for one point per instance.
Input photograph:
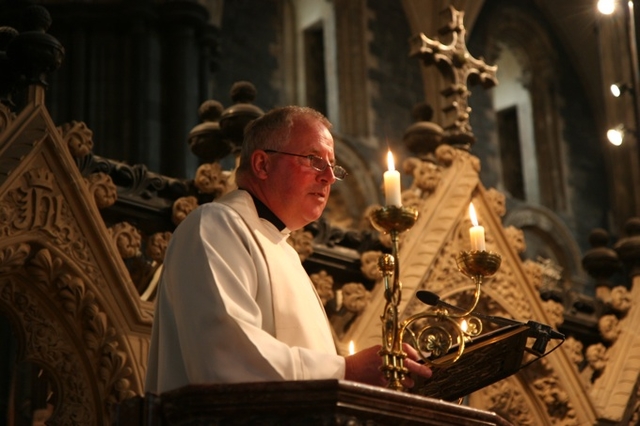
(476, 233)
(352, 348)
(392, 184)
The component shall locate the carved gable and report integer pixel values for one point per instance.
(63, 284)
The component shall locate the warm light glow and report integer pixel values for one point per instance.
(476, 232)
(392, 191)
(352, 348)
(390, 163)
(472, 215)
(615, 90)
(606, 7)
(464, 326)
(615, 136)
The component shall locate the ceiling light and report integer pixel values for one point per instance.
(617, 89)
(616, 134)
(606, 7)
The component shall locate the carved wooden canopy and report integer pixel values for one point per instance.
(63, 284)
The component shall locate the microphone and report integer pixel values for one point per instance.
(430, 298)
(433, 299)
(542, 332)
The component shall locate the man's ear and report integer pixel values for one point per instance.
(260, 164)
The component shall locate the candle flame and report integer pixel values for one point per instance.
(352, 348)
(472, 215)
(390, 163)
(464, 325)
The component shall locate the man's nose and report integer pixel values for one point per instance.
(327, 175)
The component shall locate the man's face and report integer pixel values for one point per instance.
(298, 192)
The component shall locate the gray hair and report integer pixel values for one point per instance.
(272, 131)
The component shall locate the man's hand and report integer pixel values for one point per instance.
(364, 366)
(414, 367)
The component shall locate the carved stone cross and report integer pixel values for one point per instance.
(458, 68)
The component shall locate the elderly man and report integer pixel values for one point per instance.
(234, 303)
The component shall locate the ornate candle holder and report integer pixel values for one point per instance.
(446, 325)
(392, 220)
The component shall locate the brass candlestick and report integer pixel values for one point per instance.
(392, 220)
(435, 339)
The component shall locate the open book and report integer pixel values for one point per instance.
(486, 359)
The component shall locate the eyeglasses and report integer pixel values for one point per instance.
(317, 163)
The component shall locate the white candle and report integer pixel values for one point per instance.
(476, 232)
(352, 348)
(392, 184)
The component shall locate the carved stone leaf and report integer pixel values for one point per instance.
(48, 270)
(504, 284)
(97, 331)
(547, 387)
(113, 371)
(78, 137)
(14, 210)
(506, 399)
(71, 291)
(13, 256)
(105, 192)
(127, 238)
(43, 267)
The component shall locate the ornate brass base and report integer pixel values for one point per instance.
(394, 219)
(478, 263)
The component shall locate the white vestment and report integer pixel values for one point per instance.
(234, 304)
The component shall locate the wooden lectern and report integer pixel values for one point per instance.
(486, 359)
(317, 402)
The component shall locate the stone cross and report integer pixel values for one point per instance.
(458, 68)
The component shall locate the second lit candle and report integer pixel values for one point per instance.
(476, 232)
(392, 190)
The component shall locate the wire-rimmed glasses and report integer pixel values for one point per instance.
(316, 163)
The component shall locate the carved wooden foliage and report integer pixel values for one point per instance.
(48, 343)
(51, 283)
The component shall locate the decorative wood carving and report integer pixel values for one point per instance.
(47, 342)
(62, 280)
(618, 384)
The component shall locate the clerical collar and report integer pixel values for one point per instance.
(265, 212)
